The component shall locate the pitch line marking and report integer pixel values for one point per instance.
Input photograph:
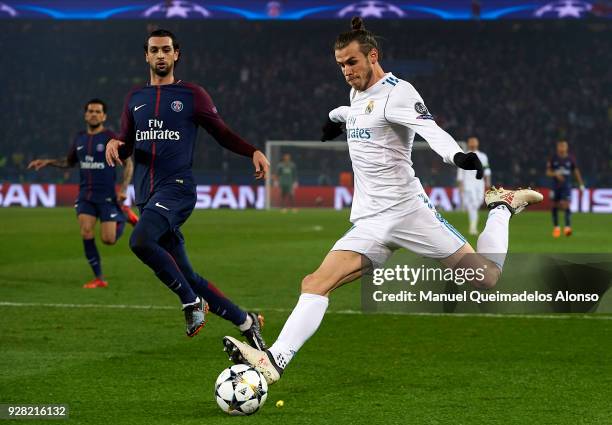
(561, 316)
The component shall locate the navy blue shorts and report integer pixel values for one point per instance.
(175, 203)
(105, 211)
(561, 194)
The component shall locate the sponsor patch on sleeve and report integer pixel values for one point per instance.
(423, 112)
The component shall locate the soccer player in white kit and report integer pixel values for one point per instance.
(390, 208)
(472, 190)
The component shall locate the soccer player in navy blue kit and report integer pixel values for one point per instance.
(560, 167)
(97, 197)
(159, 127)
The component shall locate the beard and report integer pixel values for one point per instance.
(163, 71)
(366, 80)
(93, 126)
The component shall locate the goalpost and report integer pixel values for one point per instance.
(322, 167)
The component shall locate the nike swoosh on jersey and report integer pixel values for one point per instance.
(157, 204)
(114, 215)
(138, 107)
(80, 147)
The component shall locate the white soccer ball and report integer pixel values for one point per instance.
(241, 390)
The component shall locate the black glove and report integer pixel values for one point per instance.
(331, 130)
(469, 161)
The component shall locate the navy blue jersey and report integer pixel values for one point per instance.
(564, 165)
(159, 126)
(97, 182)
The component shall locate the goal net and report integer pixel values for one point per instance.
(313, 174)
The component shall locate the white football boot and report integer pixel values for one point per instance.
(262, 361)
(515, 200)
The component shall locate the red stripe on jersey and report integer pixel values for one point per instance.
(215, 290)
(157, 101)
(152, 168)
(89, 177)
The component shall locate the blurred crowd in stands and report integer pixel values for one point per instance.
(518, 86)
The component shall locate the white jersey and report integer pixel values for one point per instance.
(468, 177)
(381, 124)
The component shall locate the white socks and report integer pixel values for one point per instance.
(193, 303)
(473, 218)
(493, 241)
(301, 325)
(247, 323)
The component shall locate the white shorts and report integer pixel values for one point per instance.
(418, 227)
(472, 199)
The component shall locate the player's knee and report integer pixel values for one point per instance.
(313, 284)
(87, 232)
(108, 240)
(490, 278)
(138, 244)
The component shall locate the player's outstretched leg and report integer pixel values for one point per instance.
(492, 245)
(339, 267)
(145, 244)
(248, 323)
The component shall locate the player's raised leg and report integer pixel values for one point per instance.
(492, 245)
(248, 323)
(144, 242)
(338, 268)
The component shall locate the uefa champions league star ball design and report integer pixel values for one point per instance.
(240, 390)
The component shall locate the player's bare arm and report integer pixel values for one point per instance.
(128, 172)
(38, 164)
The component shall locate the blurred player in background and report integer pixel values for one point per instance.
(97, 197)
(159, 127)
(560, 167)
(472, 190)
(390, 208)
(286, 177)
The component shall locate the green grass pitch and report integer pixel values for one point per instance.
(113, 363)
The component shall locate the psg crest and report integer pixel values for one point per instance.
(177, 106)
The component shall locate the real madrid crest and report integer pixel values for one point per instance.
(370, 107)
